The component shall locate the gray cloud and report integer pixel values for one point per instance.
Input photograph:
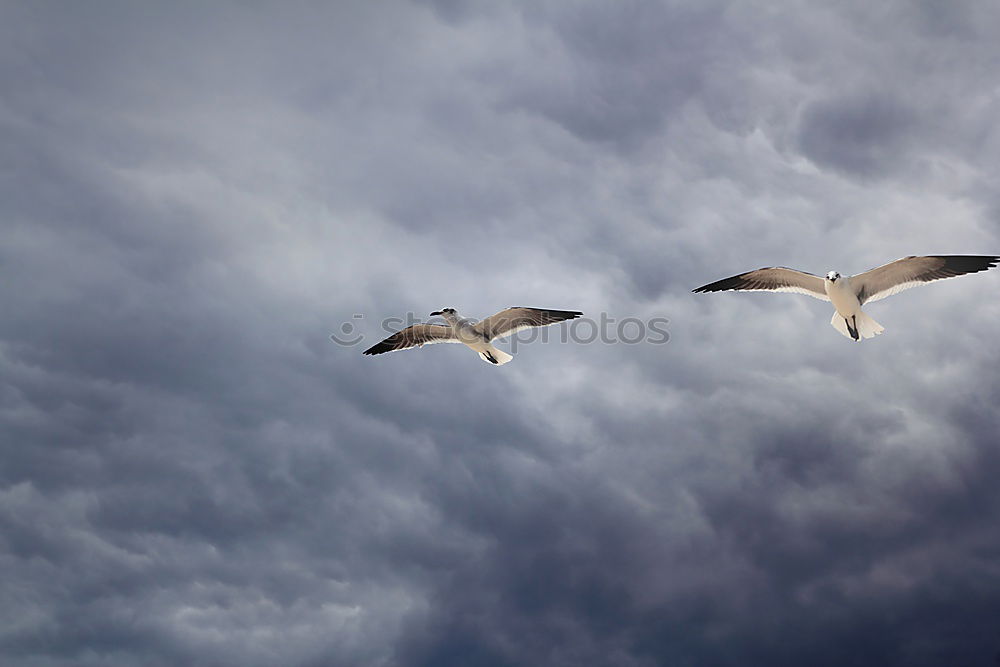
(861, 135)
(194, 198)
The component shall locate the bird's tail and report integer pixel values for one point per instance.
(495, 356)
(867, 327)
(860, 326)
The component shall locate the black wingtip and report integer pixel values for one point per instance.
(564, 314)
(959, 265)
(378, 348)
(735, 282)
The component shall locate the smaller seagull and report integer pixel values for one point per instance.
(475, 335)
(848, 294)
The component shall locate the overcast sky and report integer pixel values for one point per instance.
(195, 196)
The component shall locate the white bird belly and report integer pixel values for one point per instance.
(478, 345)
(843, 298)
(469, 337)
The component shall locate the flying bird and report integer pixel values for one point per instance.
(475, 335)
(849, 293)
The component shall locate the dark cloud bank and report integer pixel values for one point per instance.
(194, 197)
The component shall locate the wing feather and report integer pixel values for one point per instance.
(771, 279)
(510, 321)
(415, 336)
(894, 277)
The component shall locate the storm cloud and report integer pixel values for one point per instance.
(194, 197)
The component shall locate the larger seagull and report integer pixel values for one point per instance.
(849, 293)
(475, 335)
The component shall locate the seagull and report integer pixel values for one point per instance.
(477, 336)
(849, 293)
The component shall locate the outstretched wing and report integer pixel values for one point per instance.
(772, 279)
(415, 336)
(908, 272)
(512, 320)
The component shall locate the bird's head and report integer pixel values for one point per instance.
(443, 311)
(833, 276)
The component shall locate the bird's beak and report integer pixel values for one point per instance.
(436, 312)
